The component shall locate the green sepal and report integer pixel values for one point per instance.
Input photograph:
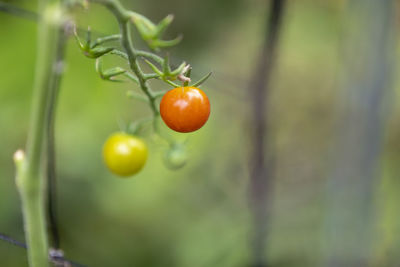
(78, 40)
(178, 70)
(88, 39)
(187, 74)
(113, 72)
(202, 80)
(110, 73)
(157, 43)
(165, 65)
(146, 28)
(109, 38)
(97, 52)
(163, 25)
(154, 68)
(151, 33)
(173, 75)
(171, 83)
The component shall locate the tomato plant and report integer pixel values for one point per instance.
(185, 109)
(124, 154)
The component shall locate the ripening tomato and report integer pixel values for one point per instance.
(185, 109)
(175, 157)
(124, 154)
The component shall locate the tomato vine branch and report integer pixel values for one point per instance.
(151, 34)
(123, 17)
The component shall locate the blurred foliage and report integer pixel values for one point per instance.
(199, 21)
(197, 216)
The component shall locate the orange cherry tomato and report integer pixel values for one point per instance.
(185, 109)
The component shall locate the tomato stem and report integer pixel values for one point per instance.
(122, 16)
(125, 18)
(131, 54)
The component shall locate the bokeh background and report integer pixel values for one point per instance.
(333, 132)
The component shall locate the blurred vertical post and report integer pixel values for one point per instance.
(366, 73)
(51, 178)
(261, 173)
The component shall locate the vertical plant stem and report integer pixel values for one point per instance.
(29, 179)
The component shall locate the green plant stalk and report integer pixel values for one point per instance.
(29, 179)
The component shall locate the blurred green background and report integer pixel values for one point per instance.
(199, 215)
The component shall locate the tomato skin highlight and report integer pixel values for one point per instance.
(124, 154)
(185, 109)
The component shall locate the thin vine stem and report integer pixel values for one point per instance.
(132, 58)
(122, 15)
(124, 18)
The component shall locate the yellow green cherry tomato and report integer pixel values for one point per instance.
(124, 154)
(175, 157)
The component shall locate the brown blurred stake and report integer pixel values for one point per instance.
(366, 72)
(261, 174)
